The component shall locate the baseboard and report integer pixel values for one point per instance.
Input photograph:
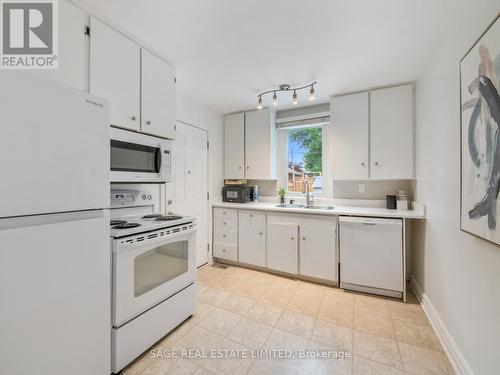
(453, 352)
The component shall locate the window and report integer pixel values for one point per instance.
(305, 159)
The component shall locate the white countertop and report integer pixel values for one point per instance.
(418, 211)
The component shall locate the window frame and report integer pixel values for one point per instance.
(282, 162)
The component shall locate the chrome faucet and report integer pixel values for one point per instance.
(309, 195)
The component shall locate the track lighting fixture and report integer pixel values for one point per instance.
(284, 88)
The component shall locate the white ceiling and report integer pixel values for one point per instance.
(227, 51)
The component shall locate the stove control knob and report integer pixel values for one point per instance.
(150, 197)
(143, 197)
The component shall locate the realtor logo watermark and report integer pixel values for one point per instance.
(29, 34)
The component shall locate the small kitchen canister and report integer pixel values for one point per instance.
(402, 202)
(390, 201)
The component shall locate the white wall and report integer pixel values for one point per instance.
(193, 113)
(458, 273)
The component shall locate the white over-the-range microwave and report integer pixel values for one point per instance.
(137, 157)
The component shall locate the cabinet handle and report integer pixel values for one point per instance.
(376, 163)
(260, 233)
(251, 215)
(223, 250)
(223, 212)
(363, 164)
(133, 118)
(224, 223)
(303, 238)
(148, 122)
(239, 167)
(292, 238)
(223, 236)
(169, 201)
(248, 167)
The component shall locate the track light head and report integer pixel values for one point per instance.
(259, 103)
(312, 94)
(275, 99)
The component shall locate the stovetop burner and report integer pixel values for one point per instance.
(168, 218)
(127, 225)
(117, 222)
(152, 216)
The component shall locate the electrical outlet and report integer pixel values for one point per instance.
(361, 188)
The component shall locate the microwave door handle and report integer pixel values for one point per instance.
(159, 160)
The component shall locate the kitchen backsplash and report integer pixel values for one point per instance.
(350, 189)
(373, 189)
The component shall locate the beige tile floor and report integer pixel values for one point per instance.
(243, 311)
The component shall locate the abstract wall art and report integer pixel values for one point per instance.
(480, 136)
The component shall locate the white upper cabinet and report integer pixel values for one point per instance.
(158, 98)
(250, 145)
(234, 146)
(115, 73)
(350, 124)
(260, 142)
(391, 133)
(73, 48)
(372, 134)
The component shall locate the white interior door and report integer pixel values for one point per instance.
(189, 186)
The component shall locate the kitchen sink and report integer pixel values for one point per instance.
(314, 207)
(311, 207)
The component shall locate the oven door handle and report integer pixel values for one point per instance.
(139, 247)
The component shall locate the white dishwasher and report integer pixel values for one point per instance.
(371, 255)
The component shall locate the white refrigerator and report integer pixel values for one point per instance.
(54, 229)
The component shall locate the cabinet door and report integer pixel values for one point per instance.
(234, 146)
(252, 237)
(259, 140)
(158, 96)
(282, 247)
(115, 74)
(349, 116)
(391, 133)
(317, 250)
(73, 48)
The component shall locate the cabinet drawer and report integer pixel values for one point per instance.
(225, 251)
(225, 224)
(254, 216)
(226, 236)
(230, 213)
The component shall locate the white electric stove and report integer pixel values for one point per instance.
(154, 272)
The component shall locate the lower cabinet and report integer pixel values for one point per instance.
(317, 255)
(252, 237)
(225, 236)
(297, 244)
(282, 243)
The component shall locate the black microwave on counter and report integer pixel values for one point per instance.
(237, 193)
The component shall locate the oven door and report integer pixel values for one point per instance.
(138, 157)
(147, 272)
